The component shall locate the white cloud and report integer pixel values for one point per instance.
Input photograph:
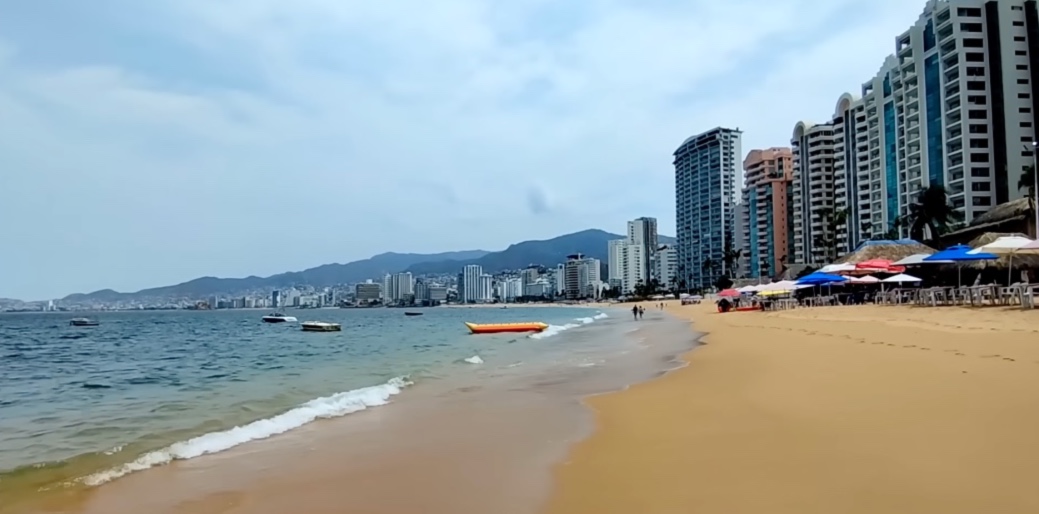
(519, 120)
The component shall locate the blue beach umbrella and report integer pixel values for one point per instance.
(818, 279)
(959, 254)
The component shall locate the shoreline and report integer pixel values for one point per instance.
(838, 409)
(459, 421)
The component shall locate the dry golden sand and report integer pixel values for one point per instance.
(865, 409)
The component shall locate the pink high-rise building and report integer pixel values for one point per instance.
(767, 218)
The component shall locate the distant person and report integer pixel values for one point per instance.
(635, 312)
(642, 311)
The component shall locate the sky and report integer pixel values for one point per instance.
(148, 143)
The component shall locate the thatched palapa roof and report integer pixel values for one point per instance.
(1017, 261)
(890, 250)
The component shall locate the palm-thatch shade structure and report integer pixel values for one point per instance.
(1004, 261)
(890, 250)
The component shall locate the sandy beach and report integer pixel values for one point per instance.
(860, 409)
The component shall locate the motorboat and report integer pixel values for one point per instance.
(496, 328)
(412, 313)
(277, 317)
(321, 326)
(83, 322)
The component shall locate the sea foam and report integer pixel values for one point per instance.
(556, 329)
(475, 359)
(339, 404)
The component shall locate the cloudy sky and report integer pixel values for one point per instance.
(148, 143)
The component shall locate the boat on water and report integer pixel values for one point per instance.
(410, 313)
(321, 326)
(496, 328)
(83, 322)
(277, 317)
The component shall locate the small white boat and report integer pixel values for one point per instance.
(277, 317)
(321, 326)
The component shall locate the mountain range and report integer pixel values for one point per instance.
(592, 243)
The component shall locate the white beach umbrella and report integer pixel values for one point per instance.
(837, 268)
(918, 259)
(901, 278)
(748, 289)
(1009, 246)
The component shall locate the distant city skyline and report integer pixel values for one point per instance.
(155, 142)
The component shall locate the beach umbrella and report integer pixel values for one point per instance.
(868, 279)
(959, 254)
(918, 259)
(901, 278)
(879, 266)
(729, 293)
(819, 278)
(1006, 245)
(837, 268)
(748, 289)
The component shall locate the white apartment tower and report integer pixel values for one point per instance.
(643, 232)
(954, 106)
(813, 191)
(471, 287)
(963, 101)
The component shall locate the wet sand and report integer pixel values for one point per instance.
(454, 446)
(860, 409)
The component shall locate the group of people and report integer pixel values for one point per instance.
(637, 311)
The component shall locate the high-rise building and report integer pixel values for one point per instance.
(705, 199)
(398, 287)
(275, 299)
(666, 266)
(643, 232)
(954, 106)
(367, 292)
(470, 287)
(963, 101)
(767, 212)
(812, 192)
(581, 277)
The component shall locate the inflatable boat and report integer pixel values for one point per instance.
(494, 328)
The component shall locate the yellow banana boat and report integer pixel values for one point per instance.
(495, 328)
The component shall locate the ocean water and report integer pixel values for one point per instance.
(85, 405)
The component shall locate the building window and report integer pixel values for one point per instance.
(968, 12)
(981, 186)
(973, 43)
(981, 201)
(1023, 82)
(970, 27)
(1021, 53)
(1019, 39)
(1019, 24)
(1022, 67)
(1024, 110)
(980, 172)
(1024, 96)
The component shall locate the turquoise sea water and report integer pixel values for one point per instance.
(144, 388)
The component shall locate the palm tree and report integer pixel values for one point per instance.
(931, 213)
(832, 222)
(731, 258)
(1027, 181)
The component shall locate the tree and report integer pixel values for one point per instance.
(723, 282)
(931, 213)
(731, 258)
(1027, 182)
(832, 222)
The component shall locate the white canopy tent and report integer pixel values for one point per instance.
(901, 278)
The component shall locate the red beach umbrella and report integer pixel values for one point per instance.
(729, 293)
(879, 266)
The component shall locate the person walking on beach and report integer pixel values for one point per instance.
(635, 312)
(642, 311)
